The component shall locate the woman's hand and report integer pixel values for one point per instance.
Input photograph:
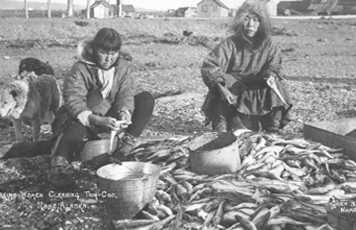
(225, 94)
(125, 116)
(106, 122)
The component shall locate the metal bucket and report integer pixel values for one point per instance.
(134, 185)
(214, 154)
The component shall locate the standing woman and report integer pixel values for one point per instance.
(98, 92)
(244, 76)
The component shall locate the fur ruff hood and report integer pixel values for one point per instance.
(85, 53)
(259, 8)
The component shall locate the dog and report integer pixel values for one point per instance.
(32, 102)
(30, 68)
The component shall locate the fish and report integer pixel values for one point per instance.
(229, 218)
(242, 205)
(322, 227)
(168, 168)
(262, 167)
(297, 142)
(149, 216)
(209, 218)
(198, 186)
(316, 208)
(236, 226)
(308, 217)
(273, 149)
(157, 225)
(279, 220)
(188, 186)
(165, 209)
(218, 187)
(161, 185)
(346, 184)
(245, 222)
(202, 214)
(219, 213)
(259, 219)
(293, 163)
(152, 206)
(200, 192)
(326, 153)
(321, 189)
(267, 156)
(159, 154)
(191, 206)
(300, 172)
(168, 177)
(310, 163)
(295, 171)
(247, 160)
(252, 166)
(163, 196)
(267, 174)
(261, 143)
(182, 177)
(131, 223)
(214, 204)
(320, 199)
(331, 150)
(182, 171)
(274, 211)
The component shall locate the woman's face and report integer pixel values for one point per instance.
(251, 25)
(105, 59)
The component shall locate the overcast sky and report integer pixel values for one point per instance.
(150, 4)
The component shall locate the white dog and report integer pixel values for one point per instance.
(32, 102)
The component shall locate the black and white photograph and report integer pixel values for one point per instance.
(178, 115)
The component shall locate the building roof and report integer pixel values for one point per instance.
(100, 2)
(220, 3)
(182, 9)
(323, 5)
(128, 8)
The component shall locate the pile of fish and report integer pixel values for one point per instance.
(283, 183)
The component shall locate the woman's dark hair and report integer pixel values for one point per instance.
(107, 39)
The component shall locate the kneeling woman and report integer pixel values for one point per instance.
(243, 74)
(98, 92)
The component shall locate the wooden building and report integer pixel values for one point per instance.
(186, 12)
(100, 9)
(128, 11)
(212, 8)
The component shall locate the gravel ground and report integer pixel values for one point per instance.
(319, 57)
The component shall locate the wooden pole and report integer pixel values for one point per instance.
(49, 8)
(26, 10)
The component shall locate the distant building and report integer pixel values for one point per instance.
(128, 11)
(325, 6)
(272, 7)
(170, 13)
(232, 12)
(290, 7)
(186, 12)
(317, 6)
(101, 9)
(212, 8)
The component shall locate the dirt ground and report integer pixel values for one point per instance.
(319, 62)
(319, 65)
